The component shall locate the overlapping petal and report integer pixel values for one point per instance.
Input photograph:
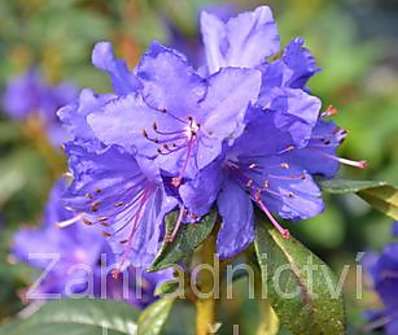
(124, 80)
(110, 191)
(237, 227)
(244, 41)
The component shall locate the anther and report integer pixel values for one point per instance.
(87, 221)
(89, 196)
(288, 149)
(330, 111)
(106, 234)
(285, 166)
(176, 181)
(115, 273)
(95, 206)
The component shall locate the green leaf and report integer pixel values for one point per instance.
(153, 318)
(306, 302)
(167, 288)
(379, 195)
(383, 198)
(187, 240)
(83, 317)
(344, 186)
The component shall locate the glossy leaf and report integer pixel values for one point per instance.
(153, 318)
(187, 240)
(167, 288)
(379, 195)
(83, 317)
(383, 198)
(344, 186)
(306, 302)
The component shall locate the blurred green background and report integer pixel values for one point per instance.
(354, 42)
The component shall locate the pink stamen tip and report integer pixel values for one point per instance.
(176, 181)
(116, 273)
(285, 234)
(330, 111)
(358, 164)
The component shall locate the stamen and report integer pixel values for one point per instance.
(67, 223)
(87, 221)
(176, 181)
(284, 232)
(95, 206)
(288, 149)
(249, 183)
(330, 111)
(358, 164)
(116, 273)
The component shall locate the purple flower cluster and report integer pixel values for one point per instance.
(76, 260)
(28, 95)
(383, 271)
(242, 131)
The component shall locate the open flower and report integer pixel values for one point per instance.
(110, 191)
(179, 120)
(244, 132)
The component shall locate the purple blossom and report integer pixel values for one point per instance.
(383, 271)
(75, 254)
(180, 120)
(110, 190)
(243, 41)
(247, 41)
(270, 174)
(29, 96)
(245, 132)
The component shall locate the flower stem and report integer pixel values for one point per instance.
(208, 281)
